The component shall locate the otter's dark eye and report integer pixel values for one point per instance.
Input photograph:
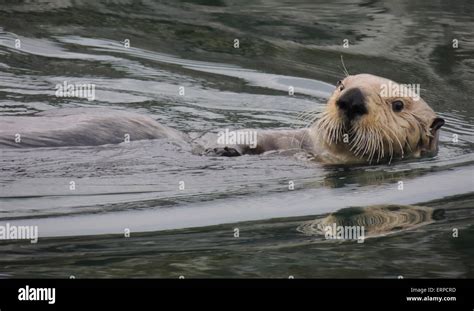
(397, 105)
(340, 85)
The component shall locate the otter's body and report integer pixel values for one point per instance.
(80, 127)
(367, 119)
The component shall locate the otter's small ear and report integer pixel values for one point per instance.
(436, 125)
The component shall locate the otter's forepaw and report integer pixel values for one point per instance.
(223, 152)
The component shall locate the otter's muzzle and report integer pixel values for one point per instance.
(352, 103)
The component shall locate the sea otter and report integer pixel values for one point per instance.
(361, 123)
(367, 119)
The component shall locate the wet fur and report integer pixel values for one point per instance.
(381, 135)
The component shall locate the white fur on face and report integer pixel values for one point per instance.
(382, 133)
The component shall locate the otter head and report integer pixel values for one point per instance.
(375, 119)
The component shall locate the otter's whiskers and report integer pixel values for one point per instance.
(330, 129)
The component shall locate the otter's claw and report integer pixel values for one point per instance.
(223, 152)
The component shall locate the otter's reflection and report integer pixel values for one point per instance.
(359, 223)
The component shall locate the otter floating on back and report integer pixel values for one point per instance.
(359, 125)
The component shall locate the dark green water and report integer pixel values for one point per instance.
(191, 44)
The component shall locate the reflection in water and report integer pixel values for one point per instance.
(270, 248)
(376, 220)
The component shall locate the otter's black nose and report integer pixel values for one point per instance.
(352, 103)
